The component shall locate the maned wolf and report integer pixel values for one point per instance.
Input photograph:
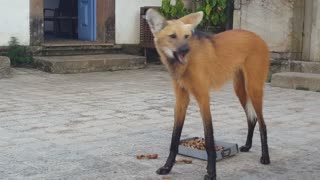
(197, 63)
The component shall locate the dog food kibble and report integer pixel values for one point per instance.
(166, 178)
(199, 143)
(185, 161)
(147, 156)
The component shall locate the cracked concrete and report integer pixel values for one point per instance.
(91, 126)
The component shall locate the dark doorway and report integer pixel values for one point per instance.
(60, 20)
(42, 31)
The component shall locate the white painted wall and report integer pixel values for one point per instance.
(128, 19)
(14, 21)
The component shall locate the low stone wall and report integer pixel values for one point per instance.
(5, 70)
(299, 81)
(277, 66)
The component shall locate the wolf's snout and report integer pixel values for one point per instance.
(183, 50)
(181, 53)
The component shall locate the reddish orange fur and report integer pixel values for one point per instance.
(210, 63)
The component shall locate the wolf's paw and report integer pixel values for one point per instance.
(164, 170)
(207, 177)
(265, 160)
(245, 148)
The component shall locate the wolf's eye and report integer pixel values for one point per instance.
(173, 36)
(186, 36)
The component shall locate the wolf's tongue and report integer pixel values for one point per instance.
(180, 58)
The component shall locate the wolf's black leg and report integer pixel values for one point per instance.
(204, 104)
(173, 150)
(211, 151)
(251, 125)
(265, 159)
(182, 102)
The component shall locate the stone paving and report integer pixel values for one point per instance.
(91, 126)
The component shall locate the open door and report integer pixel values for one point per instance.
(87, 20)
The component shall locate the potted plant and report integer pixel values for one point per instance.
(215, 14)
(176, 11)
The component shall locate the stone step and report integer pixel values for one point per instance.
(5, 70)
(295, 66)
(294, 80)
(81, 49)
(305, 67)
(88, 63)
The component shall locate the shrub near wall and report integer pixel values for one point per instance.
(19, 55)
(216, 12)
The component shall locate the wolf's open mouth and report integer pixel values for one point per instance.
(181, 53)
(179, 56)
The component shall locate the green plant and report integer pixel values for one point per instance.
(18, 54)
(173, 11)
(215, 12)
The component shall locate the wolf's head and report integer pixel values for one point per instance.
(171, 37)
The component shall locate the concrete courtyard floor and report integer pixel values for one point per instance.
(91, 126)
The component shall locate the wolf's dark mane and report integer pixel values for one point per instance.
(200, 35)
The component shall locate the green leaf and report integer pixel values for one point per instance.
(215, 19)
(223, 3)
(223, 18)
(174, 12)
(208, 9)
(214, 2)
(165, 8)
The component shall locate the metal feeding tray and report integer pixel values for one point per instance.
(229, 149)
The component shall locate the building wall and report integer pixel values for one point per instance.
(314, 54)
(14, 18)
(128, 19)
(279, 23)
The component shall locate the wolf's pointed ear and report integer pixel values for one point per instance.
(194, 19)
(155, 20)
